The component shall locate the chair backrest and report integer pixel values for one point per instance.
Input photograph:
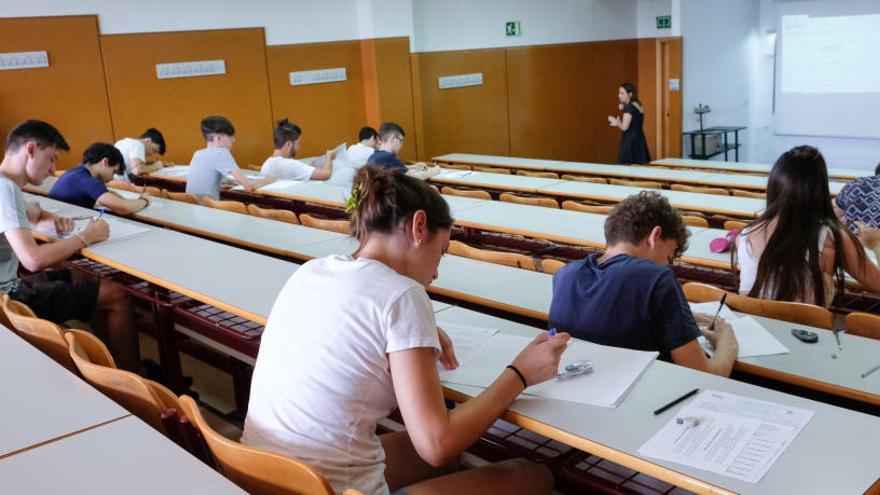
(468, 193)
(273, 214)
(543, 175)
(749, 194)
(575, 206)
(528, 200)
(492, 170)
(252, 166)
(125, 186)
(455, 166)
(144, 398)
(551, 266)
(42, 334)
(702, 190)
(254, 470)
(695, 221)
(863, 325)
(700, 292)
(644, 184)
(234, 206)
(459, 248)
(583, 178)
(734, 225)
(180, 196)
(341, 226)
(153, 191)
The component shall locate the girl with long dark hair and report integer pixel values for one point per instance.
(633, 145)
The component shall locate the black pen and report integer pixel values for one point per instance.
(676, 401)
(837, 337)
(720, 306)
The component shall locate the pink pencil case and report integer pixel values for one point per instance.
(723, 244)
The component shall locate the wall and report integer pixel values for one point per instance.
(647, 12)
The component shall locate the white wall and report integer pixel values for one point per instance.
(465, 24)
(647, 12)
(286, 22)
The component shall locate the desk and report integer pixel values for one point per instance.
(126, 456)
(42, 400)
(754, 168)
(834, 453)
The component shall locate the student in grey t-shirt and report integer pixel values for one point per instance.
(209, 166)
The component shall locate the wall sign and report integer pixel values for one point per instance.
(191, 69)
(23, 60)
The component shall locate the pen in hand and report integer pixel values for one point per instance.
(720, 306)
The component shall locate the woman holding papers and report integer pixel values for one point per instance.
(798, 249)
(352, 337)
(633, 145)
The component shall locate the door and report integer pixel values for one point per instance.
(671, 86)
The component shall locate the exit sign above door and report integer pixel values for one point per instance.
(664, 21)
(512, 28)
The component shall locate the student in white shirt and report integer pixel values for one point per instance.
(360, 152)
(283, 165)
(136, 153)
(352, 337)
(210, 165)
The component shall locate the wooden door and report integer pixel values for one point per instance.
(671, 86)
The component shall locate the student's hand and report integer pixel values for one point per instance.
(269, 179)
(96, 231)
(447, 353)
(722, 334)
(703, 319)
(331, 154)
(869, 236)
(539, 361)
(64, 225)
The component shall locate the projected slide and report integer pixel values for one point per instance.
(838, 54)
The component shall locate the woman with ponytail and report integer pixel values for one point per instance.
(633, 145)
(352, 337)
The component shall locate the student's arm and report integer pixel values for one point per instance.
(324, 172)
(439, 435)
(724, 342)
(36, 257)
(139, 167)
(251, 185)
(121, 206)
(866, 273)
(46, 220)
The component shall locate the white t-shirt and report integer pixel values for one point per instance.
(358, 154)
(322, 379)
(287, 168)
(130, 148)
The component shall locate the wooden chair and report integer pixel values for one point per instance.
(863, 325)
(455, 166)
(233, 206)
(341, 226)
(273, 214)
(153, 191)
(695, 221)
(467, 193)
(551, 266)
(642, 184)
(144, 398)
(251, 166)
(575, 206)
(181, 196)
(528, 200)
(125, 186)
(432, 186)
(702, 190)
(42, 334)
(749, 194)
(543, 175)
(257, 471)
(700, 292)
(517, 260)
(734, 225)
(492, 170)
(583, 178)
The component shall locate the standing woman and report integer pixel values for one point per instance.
(352, 337)
(633, 145)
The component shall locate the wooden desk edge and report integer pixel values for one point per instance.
(808, 383)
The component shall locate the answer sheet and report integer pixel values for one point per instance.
(753, 339)
(728, 434)
(118, 228)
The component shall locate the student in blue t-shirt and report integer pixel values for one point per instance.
(629, 297)
(86, 185)
(390, 142)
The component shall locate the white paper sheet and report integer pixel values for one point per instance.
(465, 338)
(754, 340)
(119, 229)
(615, 370)
(173, 171)
(280, 185)
(709, 308)
(454, 174)
(728, 434)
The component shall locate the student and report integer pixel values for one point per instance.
(797, 248)
(352, 337)
(627, 296)
(32, 148)
(210, 165)
(86, 185)
(136, 152)
(283, 165)
(390, 142)
(360, 152)
(859, 202)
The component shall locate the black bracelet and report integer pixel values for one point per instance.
(519, 374)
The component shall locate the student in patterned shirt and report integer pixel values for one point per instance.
(859, 202)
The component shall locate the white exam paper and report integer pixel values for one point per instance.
(118, 229)
(466, 338)
(754, 340)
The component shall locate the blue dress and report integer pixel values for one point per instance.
(633, 145)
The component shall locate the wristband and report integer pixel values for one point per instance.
(81, 239)
(519, 374)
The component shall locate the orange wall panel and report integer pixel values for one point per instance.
(614, 63)
(394, 88)
(138, 99)
(70, 93)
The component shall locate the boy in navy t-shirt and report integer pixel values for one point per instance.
(86, 185)
(628, 297)
(390, 142)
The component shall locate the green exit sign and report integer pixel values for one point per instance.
(512, 28)
(664, 21)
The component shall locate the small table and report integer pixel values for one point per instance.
(718, 130)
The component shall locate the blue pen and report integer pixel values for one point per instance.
(552, 332)
(101, 212)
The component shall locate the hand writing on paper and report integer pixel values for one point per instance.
(447, 353)
(539, 361)
(64, 225)
(96, 231)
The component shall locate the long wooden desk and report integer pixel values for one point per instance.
(839, 173)
(695, 177)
